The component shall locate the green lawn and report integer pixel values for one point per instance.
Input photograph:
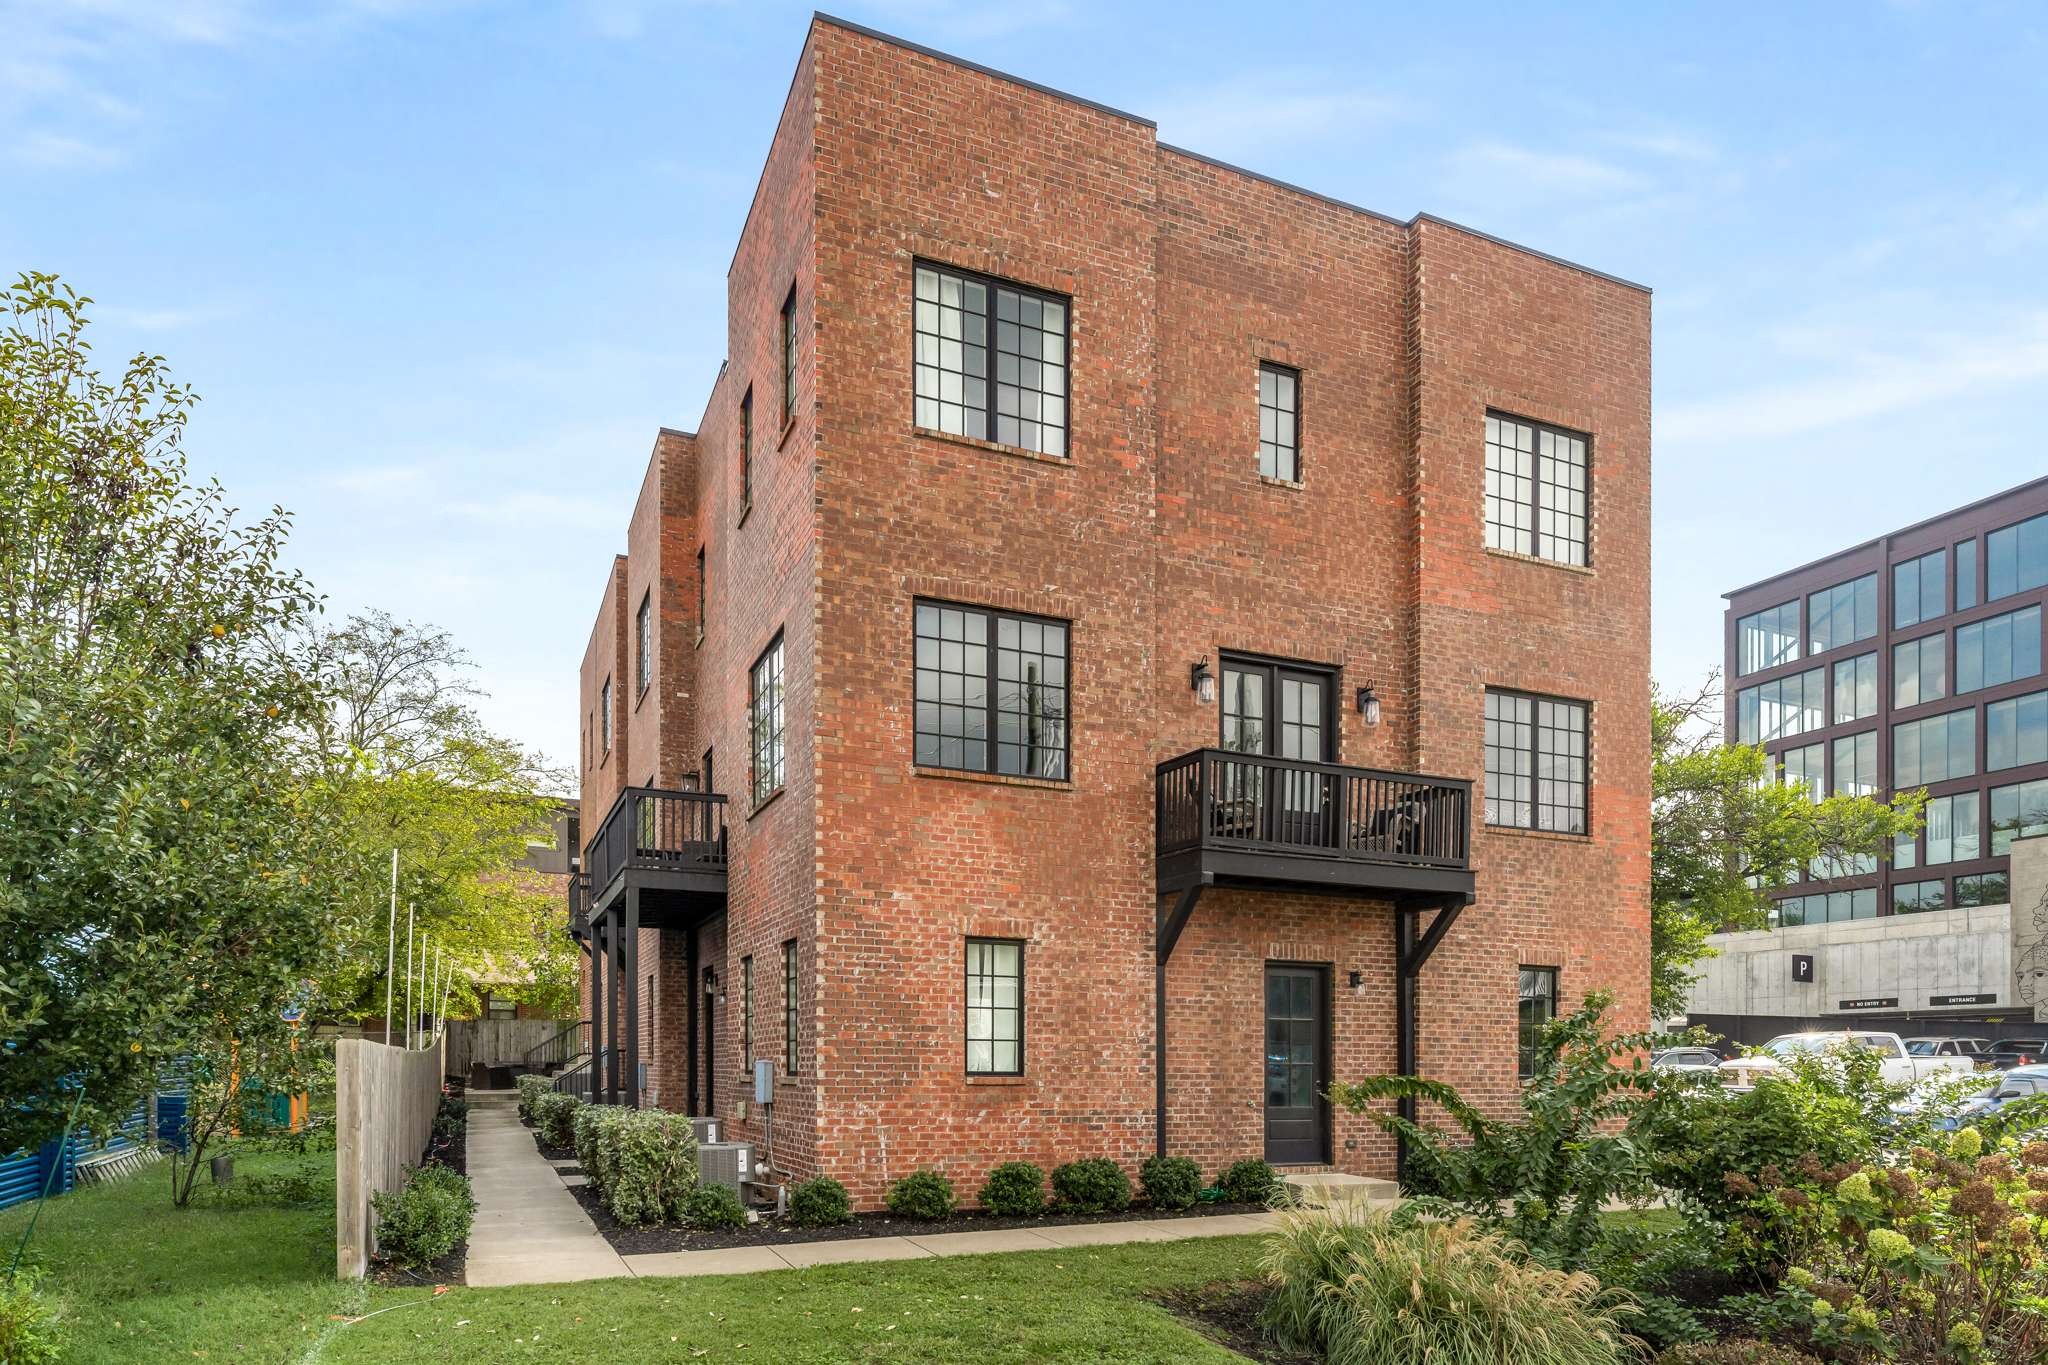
(245, 1280)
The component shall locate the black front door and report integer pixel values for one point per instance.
(1297, 1064)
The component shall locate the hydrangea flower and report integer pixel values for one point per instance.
(1967, 1144)
(1888, 1246)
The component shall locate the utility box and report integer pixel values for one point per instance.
(764, 1080)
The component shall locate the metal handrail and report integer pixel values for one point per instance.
(652, 828)
(1220, 799)
(577, 1079)
(569, 1042)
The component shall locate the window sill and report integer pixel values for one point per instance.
(995, 779)
(1521, 558)
(788, 425)
(1560, 836)
(993, 447)
(1296, 484)
(995, 1080)
(746, 510)
(765, 802)
(700, 639)
(641, 698)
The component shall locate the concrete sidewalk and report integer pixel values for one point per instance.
(530, 1229)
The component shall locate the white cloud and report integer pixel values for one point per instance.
(1251, 112)
(59, 152)
(1669, 145)
(1492, 169)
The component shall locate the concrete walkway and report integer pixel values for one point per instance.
(530, 1229)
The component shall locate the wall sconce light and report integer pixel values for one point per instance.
(1369, 704)
(1202, 681)
(1357, 980)
(711, 983)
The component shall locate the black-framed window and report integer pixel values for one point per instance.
(1806, 768)
(1983, 888)
(1998, 649)
(1767, 638)
(1842, 615)
(2018, 810)
(2016, 558)
(1536, 1006)
(1910, 898)
(2016, 732)
(995, 1007)
(1536, 486)
(643, 643)
(1535, 762)
(703, 592)
(1856, 764)
(789, 1007)
(1966, 574)
(1855, 688)
(747, 449)
(747, 1015)
(1280, 422)
(960, 320)
(1917, 589)
(1782, 708)
(1824, 907)
(992, 691)
(1951, 826)
(1920, 670)
(1934, 749)
(764, 721)
(604, 717)
(789, 356)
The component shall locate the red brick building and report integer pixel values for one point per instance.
(1095, 556)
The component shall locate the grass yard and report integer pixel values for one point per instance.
(247, 1278)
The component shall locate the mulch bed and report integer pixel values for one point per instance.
(1227, 1313)
(450, 1268)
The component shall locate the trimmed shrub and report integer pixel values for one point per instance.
(531, 1088)
(451, 1121)
(921, 1194)
(716, 1207)
(650, 1162)
(1171, 1182)
(1015, 1189)
(820, 1203)
(584, 1131)
(29, 1330)
(1250, 1181)
(424, 1221)
(1734, 1351)
(1096, 1185)
(554, 1114)
(1362, 1291)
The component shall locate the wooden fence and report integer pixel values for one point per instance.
(496, 1042)
(384, 1105)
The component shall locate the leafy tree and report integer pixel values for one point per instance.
(160, 882)
(1724, 833)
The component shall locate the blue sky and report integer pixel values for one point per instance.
(440, 269)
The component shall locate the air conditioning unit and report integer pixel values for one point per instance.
(706, 1129)
(725, 1163)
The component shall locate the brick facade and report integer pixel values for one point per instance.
(1160, 543)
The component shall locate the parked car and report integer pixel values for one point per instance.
(2011, 1052)
(1976, 1049)
(2017, 1084)
(1686, 1059)
(1895, 1063)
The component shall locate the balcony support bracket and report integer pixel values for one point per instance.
(1411, 952)
(1167, 935)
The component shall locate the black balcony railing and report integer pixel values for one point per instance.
(1215, 800)
(579, 903)
(653, 830)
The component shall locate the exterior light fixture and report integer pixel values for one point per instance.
(1202, 681)
(1369, 704)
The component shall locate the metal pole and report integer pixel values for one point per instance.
(408, 978)
(391, 947)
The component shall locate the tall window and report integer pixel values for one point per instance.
(1856, 764)
(1535, 489)
(789, 1007)
(1026, 405)
(1535, 762)
(2016, 558)
(1806, 767)
(1951, 823)
(643, 643)
(991, 691)
(1917, 589)
(789, 356)
(764, 721)
(995, 1007)
(2018, 811)
(747, 450)
(1767, 638)
(1841, 615)
(1998, 649)
(1934, 749)
(604, 717)
(746, 1015)
(1782, 707)
(702, 593)
(1536, 1007)
(1856, 688)
(1279, 422)
(1919, 671)
(2016, 732)
(1966, 574)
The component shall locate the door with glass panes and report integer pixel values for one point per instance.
(1276, 710)
(1297, 1063)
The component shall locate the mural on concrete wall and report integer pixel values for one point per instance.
(2029, 888)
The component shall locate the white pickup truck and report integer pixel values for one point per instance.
(1895, 1062)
